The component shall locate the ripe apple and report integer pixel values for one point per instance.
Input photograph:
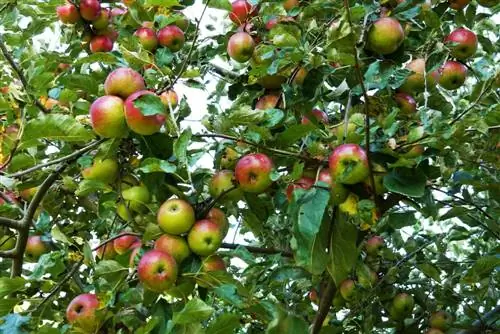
(240, 47)
(403, 304)
(205, 237)
(300, 76)
(272, 81)
(27, 194)
(35, 247)
(101, 43)
(240, 11)
(304, 183)
(103, 20)
(124, 243)
(174, 245)
(347, 289)
(136, 198)
(385, 35)
(434, 331)
(169, 99)
(348, 164)
(136, 121)
(157, 270)
(222, 181)
(269, 101)
(441, 320)
(123, 82)
(68, 13)
(81, 312)
(219, 217)
(107, 117)
(415, 82)
(289, 4)
(213, 263)
(253, 172)
(458, 4)
(90, 9)
(320, 115)
(104, 171)
(109, 32)
(463, 43)
(175, 216)
(171, 37)
(406, 103)
(147, 38)
(229, 158)
(106, 251)
(374, 244)
(452, 75)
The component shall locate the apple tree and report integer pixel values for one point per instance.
(172, 166)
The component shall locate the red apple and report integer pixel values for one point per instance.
(213, 263)
(109, 32)
(147, 38)
(90, 9)
(136, 121)
(347, 289)
(106, 251)
(320, 115)
(157, 270)
(107, 117)
(406, 103)
(222, 181)
(169, 99)
(102, 20)
(123, 82)
(313, 296)
(219, 217)
(174, 245)
(463, 43)
(289, 4)
(304, 183)
(81, 312)
(68, 13)
(269, 101)
(416, 81)
(374, 244)
(240, 11)
(441, 320)
(240, 47)
(458, 4)
(101, 43)
(348, 164)
(36, 247)
(452, 75)
(124, 243)
(136, 198)
(205, 237)
(299, 76)
(253, 172)
(175, 216)
(171, 37)
(385, 35)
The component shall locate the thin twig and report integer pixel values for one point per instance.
(462, 114)
(258, 250)
(115, 237)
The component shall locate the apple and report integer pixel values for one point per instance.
(240, 11)
(105, 171)
(157, 270)
(300, 76)
(458, 4)
(434, 331)
(289, 4)
(171, 37)
(213, 263)
(90, 9)
(441, 320)
(415, 82)
(463, 43)
(101, 43)
(269, 101)
(219, 217)
(136, 121)
(347, 289)
(106, 251)
(175, 216)
(304, 183)
(107, 117)
(183, 22)
(452, 75)
(313, 296)
(174, 245)
(124, 243)
(240, 47)
(169, 99)
(487, 3)
(123, 82)
(35, 247)
(406, 103)
(136, 198)
(81, 312)
(124, 212)
(147, 38)
(229, 158)
(109, 32)
(272, 81)
(370, 281)
(403, 304)
(320, 115)
(414, 152)
(353, 136)
(68, 13)
(350, 205)
(102, 20)
(348, 164)
(205, 237)
(385, 35)
(221, 182)
(374, 244)
(272, 22)
(253, 172)
(27, 194)
(7, 242)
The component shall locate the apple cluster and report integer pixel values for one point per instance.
(96, 21)
(171, 36)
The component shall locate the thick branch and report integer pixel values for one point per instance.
(324, 306)
(258, 250)
(10, 254)
(10, 223)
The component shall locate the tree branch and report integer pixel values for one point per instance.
(10, 254)
(324, 306)
(10, 223)
(258, 250)
(115, 237)
(487, 322)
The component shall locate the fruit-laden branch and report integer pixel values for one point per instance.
(68, 157)
(20, 75)
(258, 250)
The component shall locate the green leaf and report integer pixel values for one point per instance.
(481, 269)
(287, 323)
(7, 304)
(163, 57)
(195, 310)
(101, 57)
(13, 323)
(111, 270)
(150, 104)
(399, 220)
(152, 165)
(229, 293)
(430, 270)
(273, 117)
(56, 127)
(406, 181)
(225, 323)
(11, 285)
(307, 211)
(49, 263)
(162, 3)
(181, 145)
(343, 249)
(87, 187)
(219, 4)
(294, 133)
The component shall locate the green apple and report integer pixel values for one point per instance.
(402, 304)
(441, 320)
(104, 171)
(347, 289)
(205, 237)
(175, 216)
(136, 198)
(221, 182)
